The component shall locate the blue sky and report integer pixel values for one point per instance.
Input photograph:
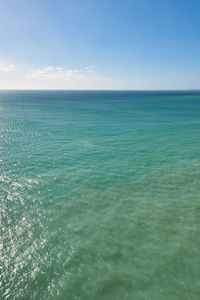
(104, 44)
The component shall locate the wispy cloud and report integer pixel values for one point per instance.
(53, 77)
(59, 73)
(6, 67)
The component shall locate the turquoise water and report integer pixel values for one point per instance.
(100, 195)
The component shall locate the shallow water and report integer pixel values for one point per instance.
(100, 195)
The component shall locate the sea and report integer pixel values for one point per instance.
(100, 195)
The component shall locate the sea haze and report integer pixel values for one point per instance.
(100, 195)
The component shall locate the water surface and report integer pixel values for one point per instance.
(100, 195)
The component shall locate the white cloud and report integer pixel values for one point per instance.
(90, 67)
(6, 67)
(53, 77)
(61, 74)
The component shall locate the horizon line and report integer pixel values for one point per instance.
(117, 90)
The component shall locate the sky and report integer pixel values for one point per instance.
(100, 44)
